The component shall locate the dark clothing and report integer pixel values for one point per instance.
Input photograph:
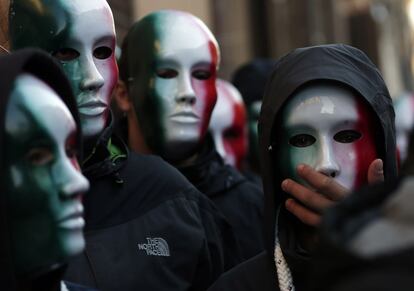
(240, 201)
(343, 263)
(258, 273)
(147, 227)
(347, 66)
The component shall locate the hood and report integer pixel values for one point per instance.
(339, 63)
(45, 68)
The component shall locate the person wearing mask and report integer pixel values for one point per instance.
(168, 92)
(326, 128)
(228, 125)
(42, 187)
(147, 227)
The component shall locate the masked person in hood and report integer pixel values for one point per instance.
(168, 94)
(42, 186)
(228, 125)
(250, 79)
(326, 118)
(142, 216)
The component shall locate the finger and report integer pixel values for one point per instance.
(306, 196)
(302, 213)
(322, 183)
(376, 172)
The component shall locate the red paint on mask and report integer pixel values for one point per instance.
(365, 147)
(206, 91)
(235, 137)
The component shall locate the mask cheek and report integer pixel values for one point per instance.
(109, 72)
(206, 99)
(162, 94)
(346, 156)
(366, 153)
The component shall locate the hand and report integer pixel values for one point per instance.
(324, 192)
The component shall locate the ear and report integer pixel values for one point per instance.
(122, 97)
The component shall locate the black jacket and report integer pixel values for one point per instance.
(147, 227)
(240, 201)
(40, 65)
(339, 63)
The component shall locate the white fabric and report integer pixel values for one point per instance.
(284, 275)
(63, 286)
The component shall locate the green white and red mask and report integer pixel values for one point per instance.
(42, 178)
(228, 125)
(330, 128)
(81, 35)
(172, 59)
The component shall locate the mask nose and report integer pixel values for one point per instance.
(327, 163)
(71, 181)
(92, 80)
(185, 94)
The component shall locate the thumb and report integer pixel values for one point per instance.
(376, 172)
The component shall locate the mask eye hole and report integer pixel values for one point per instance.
(202, 74)
(231, 134)
(40, 156)
(71, 152)
(302, 140)
(102, 52)
(347, 136)
(66, 54)
(167, 73)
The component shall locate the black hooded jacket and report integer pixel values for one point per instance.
(147, 227)
(240, 200)
(40, 65)
(339, 63)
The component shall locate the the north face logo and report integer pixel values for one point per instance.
(155, 247)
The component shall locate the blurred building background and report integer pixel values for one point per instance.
(269, 28)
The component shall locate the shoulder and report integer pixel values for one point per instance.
(256, 273)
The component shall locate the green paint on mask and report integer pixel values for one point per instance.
(139, 57)
(31, 189)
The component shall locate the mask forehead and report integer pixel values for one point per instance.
(329, 128)
(228, 124)
(41, 176)
(46, 112)
(85, 15)
(185, 39)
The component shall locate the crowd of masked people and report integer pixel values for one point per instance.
(147, 172)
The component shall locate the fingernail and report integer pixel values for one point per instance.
(300, 167)
(379, 167)
(284, 185)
